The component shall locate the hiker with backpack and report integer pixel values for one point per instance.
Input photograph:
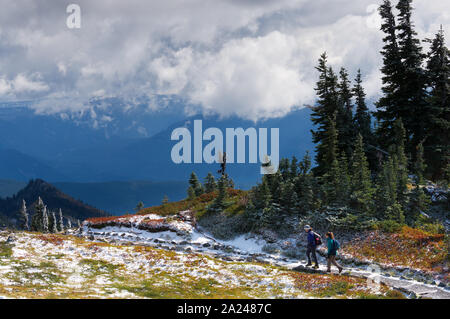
(314, 240)
(333, 247)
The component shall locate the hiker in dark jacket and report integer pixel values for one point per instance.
(333, 246)
(311, 247)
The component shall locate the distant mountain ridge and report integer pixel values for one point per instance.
(52, 197)
(107, 142)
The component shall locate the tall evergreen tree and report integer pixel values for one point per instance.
(331, 178)
(219, 202)
(400, 163)
(412, 95)
(437, 144)
(210, 183)
(37, 219)
(389, 105)
(363, 122)
(324, 112)
(344, 116)
(361, 188)
(54, 228)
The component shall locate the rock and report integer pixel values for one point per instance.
(206, 245)
(441, 284)
(91, 237)
(10, 239)
(271, 249)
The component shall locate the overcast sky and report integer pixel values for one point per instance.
(251, 58)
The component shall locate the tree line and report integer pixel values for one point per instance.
(372, 165)
(43, 219)
(363, 165)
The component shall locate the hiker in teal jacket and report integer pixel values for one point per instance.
(333, 246)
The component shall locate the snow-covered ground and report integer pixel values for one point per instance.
(41, 266)
(153, 256)
(185, 237)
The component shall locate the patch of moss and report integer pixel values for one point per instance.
(6, 250)
(98, 267)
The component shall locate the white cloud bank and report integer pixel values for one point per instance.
(254, 59)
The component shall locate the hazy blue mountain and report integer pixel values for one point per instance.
(122, 197)
(150, 158)
(114, 140)
(15, 165)
(10, 187)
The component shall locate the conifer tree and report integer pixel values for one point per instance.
(304, 185)
(323, 113)
(37, 219)
(343, 190)
(69, 224)
(274, 182)
(331, 163)
(284, 168)
(165, 200)
(437, 144)
(294, 168)
(400, 163)
(45, 220)
(54, 228)
(361, 186)
(23, 217)
(50, 221)
(386, 191)
(219, 202)
(289, 198)
(263, 196)
(413, 108)
(344, 117)
(139, 206)
(61, 221)
(419, 201)
(191, 192)
(195, 184)
(362, 120)
(210, 183)
(388, 106)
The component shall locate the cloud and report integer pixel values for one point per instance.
(254, 59)
(22, 84)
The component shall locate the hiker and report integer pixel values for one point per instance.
(333, 247)
(313, 241)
